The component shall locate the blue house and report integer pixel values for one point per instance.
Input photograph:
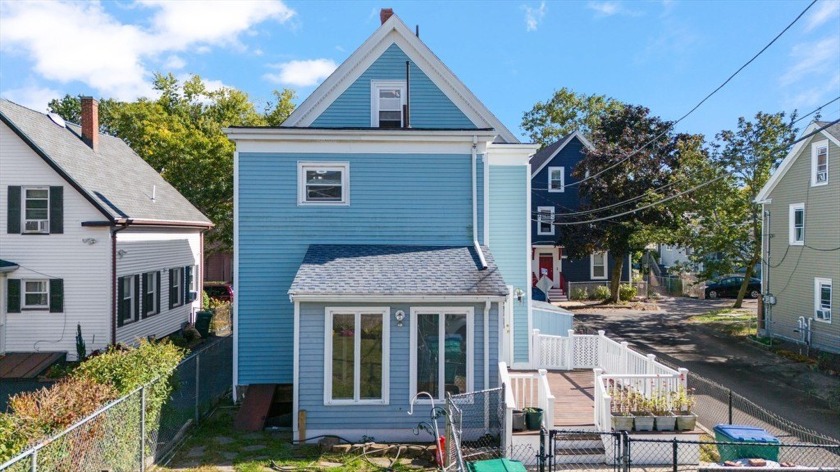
(379, 243)
(553, 192)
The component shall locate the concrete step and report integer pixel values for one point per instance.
(580, 456)
(579, 443)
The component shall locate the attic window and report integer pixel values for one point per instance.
(386, 104)
(819, 163)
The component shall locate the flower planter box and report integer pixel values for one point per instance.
(643, 421)
(686, 421)
(622, 422)
(665, 422)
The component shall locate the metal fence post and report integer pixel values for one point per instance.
(142, 428)
(730, 406)
(676, 445)
(197, 379)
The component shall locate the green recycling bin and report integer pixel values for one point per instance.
(202, 322)
(758, 443)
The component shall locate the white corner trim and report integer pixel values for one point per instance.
(236, 260)
(295, 370)
(792, 209)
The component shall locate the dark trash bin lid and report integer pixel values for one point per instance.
(743, 433)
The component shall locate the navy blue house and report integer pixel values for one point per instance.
(551, 193)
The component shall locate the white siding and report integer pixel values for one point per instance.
(84, 268)
(148, 250)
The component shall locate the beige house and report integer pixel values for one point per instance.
(801, 241)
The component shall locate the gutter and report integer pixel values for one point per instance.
(114, 301)
(481, 260)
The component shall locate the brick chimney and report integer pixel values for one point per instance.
(385, 13)
(90, 122)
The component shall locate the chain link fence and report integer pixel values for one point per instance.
(129, 435)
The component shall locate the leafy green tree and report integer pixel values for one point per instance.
(566, 111)
(180, 135)
(614, 179)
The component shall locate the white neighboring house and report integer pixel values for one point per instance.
(90, 235)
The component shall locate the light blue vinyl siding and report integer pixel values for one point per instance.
(378, 417)
(430, 108)
(551, 322)
(509, 243)
(394, 199)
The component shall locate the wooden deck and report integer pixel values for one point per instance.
(574, 398)
(27, 365)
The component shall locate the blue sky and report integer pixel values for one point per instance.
(665, 55)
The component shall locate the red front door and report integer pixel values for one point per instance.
(546, 266)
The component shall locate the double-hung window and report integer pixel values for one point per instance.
(357, 356)
(36, 210)
(822, 299)
(545, 220)
(556, 179)
(176, 287)
(128, 307)
(323, 183)
(598, 265)
(387, 98)
(36, 294)
(441, 350)
(797, 224)
(151, 293)
(819, 163)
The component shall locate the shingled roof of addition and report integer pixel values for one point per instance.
(115, 180)
(396, 270)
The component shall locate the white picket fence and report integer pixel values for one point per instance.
(523, 390)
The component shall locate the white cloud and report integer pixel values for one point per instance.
(825, 11)
(533, 16)
(610, 8)
(35, 98)
(813, 59)
(112, 57)
(174, 62)
(302, 73)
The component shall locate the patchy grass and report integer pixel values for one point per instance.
(733, 322)
(215, 446)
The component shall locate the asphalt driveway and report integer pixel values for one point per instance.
(777, 384)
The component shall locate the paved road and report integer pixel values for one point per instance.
(775, 383)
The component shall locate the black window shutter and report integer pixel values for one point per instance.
(13, 211)
(56, 210)
(136, 307)
(120, 304)
(173, 295)
(157, 291)
(187, 277)
(144, 287)
(13, 296)
(56, 295)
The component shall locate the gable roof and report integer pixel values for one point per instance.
(115, 180)
(831, 132)
(546, 154)
(394, 31)
(396, 270)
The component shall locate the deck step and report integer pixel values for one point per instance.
(579, 443)
(580, 456)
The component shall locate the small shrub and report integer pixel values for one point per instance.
(191, 334)
(601, 292)
(205, 299)
(221, 321)
(580, 294)
(627, 292)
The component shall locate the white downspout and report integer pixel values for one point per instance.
(486, 345)
(478, 251)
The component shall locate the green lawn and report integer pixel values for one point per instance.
(732, 321)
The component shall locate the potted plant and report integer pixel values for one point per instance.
(683, 402)
(518, 419)
(661, 409)
(533, 417)
(640, 408)
(621, 418)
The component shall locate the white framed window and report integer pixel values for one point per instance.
(36, 210)
(545, 220)
(36, 294)
(128, 304)
(819, 163)
(387, 98)
(323, 183)
(556, 179)
(822, 299)
(598, 265)
(357, 356)
(151, 297)
(441, 351)
(796, 224)
(176, 287)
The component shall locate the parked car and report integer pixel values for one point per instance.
(729, 286)
(221, 291)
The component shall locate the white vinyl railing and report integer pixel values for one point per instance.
(523, 390)
(546, 399)
(648, 385)
(510, 405)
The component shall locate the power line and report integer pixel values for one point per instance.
(707, 97)
(815, 110)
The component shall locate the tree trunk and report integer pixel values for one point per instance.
(615, 277)
(747, 277)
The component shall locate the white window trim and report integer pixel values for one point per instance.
(412, 361)
(818, 282)
(562, 179)
(386, 354)
(151, 278)
(592, 266)
(23, 304)
(791, 224)
(46, 222)
(540, 211)
(344, 167)
(178, 280)
(814, 148)
(375, 85)
(132, 316)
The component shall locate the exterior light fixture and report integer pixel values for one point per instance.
(519, 294)
(399, 316)
(89, 241)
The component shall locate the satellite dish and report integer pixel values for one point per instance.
(57, 119)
